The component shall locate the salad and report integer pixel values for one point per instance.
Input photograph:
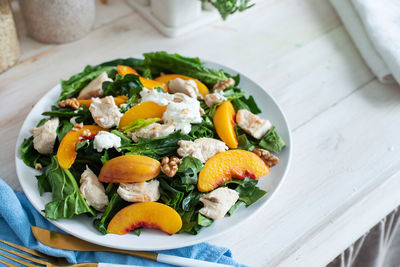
(162, 142)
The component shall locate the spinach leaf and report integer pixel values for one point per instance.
(190, 223)
(105, 158)
(131, 62)
(272, 141)
(187, 174)
(137, 231)
(116, 204)
(169, 195)
(82, 145)
(43, 183)
(243, 103)
(244, 143)
(156, 147)
(63, 128)
(82, 114)
(235, 207)
(200, 130)
(125, 140)
(247, 189)
(30, 156)
(190, 201)
(88, 156)
(67, 199)
(233, 93)
(175, 63)
(128, 85)
(139, 124)
(204, 221)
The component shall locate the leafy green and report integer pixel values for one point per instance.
(190, 223)
(229, 7)
(116, 204)
(235, 207)
(82, 114)
(251, 103)
(67, 199)
(190, 201)
(43, 183)
(247, 189)
(169, 195)
(137, 231)
(156, 147)
(272, 141)
(175, 63)
(200, 130)
(139, 124)
(186, 177)
(105, 158)
(82, 145)
(125, 140)
(30, 156)
(244, 143)
(128, 85)
(77, 82)
(233, 93)
(63, 128)
(203, 221)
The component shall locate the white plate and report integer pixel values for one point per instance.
(81, 226)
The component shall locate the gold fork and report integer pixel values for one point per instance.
(40, 259)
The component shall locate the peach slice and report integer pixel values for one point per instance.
(148, 214)
(129, 169)
(66, 153)
(203, 90)
(224, 122)
(145, 110)
(118, 101)
(124, 70)
(150, 84)
(230, 164)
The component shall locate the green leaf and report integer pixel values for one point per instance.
(190, 201)
(125, 140)
(187, 173)
(30, 156)
(204, 221)
(128, 85)
(272, 141)
(244, 143)
(139, 124)
(82, 145)
(175, 63)
(229, 7)
(200, 131)
(137, 231)
(63, 128)
(115, 205)
(235, 207)
(105, 158)
(82, 114)
(247, 189)
(169, 195)
(67, 200)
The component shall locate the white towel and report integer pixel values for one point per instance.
(374, 26)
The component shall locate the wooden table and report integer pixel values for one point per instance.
(345, 172)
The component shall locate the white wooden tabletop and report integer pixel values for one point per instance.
(345, 171)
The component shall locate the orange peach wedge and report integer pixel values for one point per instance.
(149, 84)
(147, 214)
(230, 164)
(145, 110)
(118, 101)
(224, 122)
(66, 153)
(203, 90)
(129, 169)
(124, 70)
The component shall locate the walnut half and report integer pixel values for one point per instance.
(269, 159)
(70, 102)
(169, 166)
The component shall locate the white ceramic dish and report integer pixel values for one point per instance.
(81, 226)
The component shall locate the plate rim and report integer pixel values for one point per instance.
(182, 243)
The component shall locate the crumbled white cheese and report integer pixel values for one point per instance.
(105, 112)
(159, 98)
(106, 140)
(218, 202)
(202, 148)
(95, 87)
(139, 192)
(182, 110)
(252, 123)
(93, 191)
(151, 131)
(45, 136)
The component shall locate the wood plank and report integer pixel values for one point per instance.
(337, 157)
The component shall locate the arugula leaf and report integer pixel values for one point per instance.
(175, 63)
(128, 85)
(169, 195)
(204, 221)
(139, 124)
(116, 204)
(67, 199)
(272, 141)
(156, 147)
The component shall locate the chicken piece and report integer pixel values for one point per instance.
(105, 112)
(218, 202)
(151, 131)
(95, 87)
(93, 191)
(188, 87)
(45, 136)
(139, 192)
(252, 124)
(202, 148)
(214, 98)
